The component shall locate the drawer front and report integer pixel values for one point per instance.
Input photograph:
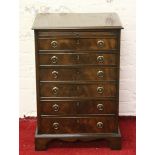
(97, 107)
(77, 34)
(59, 125)
(49, 89)
(84, 73)
(77, 44)
(78, 107)
(58, 107)
(77, 58)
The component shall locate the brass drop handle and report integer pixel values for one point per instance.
(55, 90)
(100, 59)
(55, 74)
(54, 59)
(56, 125)
(54, 44)
(100, 74)
(100, 43)
(99, 125)
(100, 107)
(100, 90)
(55, 107)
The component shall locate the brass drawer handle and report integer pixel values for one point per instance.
(99, 125)
(100, 43)
(100, 59)
(56, 125)
(54, 44)
(100, 74)
(55, 74)
(100, 90)
(55, 90)
(100, 107)
(55, 107)
(54, 59)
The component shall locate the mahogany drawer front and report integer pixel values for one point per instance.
(77, 44)
(54, 34)
(56, 107)
(50, 89)
(59, 125)
(77, 58)
(97, 107)
(84, 73)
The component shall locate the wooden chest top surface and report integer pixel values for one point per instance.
(77, 21)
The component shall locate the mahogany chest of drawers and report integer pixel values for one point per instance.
(77, 77)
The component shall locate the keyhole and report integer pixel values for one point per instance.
(78, 57)
(78, 42)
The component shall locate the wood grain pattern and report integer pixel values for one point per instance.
(77, 90)
(77, 44)
(78, 74)
(77, 78)
(78, 107)
(77, 34)
(77, 125)
(78, 58)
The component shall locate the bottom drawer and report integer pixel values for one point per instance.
(59, 125)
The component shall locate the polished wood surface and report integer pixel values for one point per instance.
(77, 78)
(77, 34)
(77, 107)
(78, 74)
(77, 58)
(77, 90)
(77, 44)
(77, 125)
(77, 20)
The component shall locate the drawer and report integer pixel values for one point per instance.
(69, 107)
(84, 73)
(58, 107)
(77, 58)
(97, 107)
(54, 34)
(50, 89)
(77, 44)
(59, 125)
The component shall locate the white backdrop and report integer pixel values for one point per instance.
(125, 9)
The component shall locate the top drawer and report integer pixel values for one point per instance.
(77, 44)
(54, 34)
